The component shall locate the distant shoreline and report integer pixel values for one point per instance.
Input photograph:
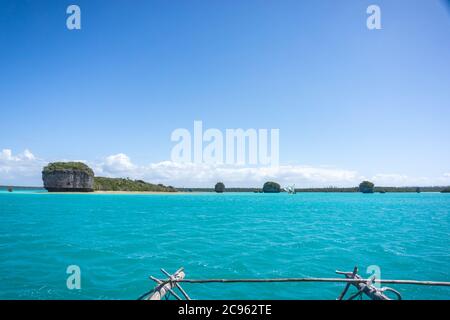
(125, 192)
(251, 190)
(116, 192)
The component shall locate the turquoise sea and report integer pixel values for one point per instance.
(118, 241)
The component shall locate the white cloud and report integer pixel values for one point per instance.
(399, 180)
(390, 179)
(6, 155)
(28, 155)
(23, 168)
(118, 163)
(196, 175)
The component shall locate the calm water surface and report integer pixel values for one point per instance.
(119, 240)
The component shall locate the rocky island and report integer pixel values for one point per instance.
(67, 177)
(219, 187)
(271, 187)
(366, 187)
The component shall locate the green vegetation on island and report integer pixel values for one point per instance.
(60, 166)
(446, 190)
(366, 187)
(271, 187)
(219, 187)
(120, 184)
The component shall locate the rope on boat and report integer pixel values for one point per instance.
(172, 278)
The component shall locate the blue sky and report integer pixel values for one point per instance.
(350, 102)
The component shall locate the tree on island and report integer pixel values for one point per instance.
(271, 187)
(366, 187)
(219, 187)
(446, 190)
